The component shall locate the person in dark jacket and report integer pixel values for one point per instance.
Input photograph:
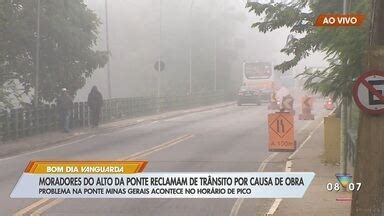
(95, 102)
(64, 106)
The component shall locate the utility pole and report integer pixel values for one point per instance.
(215, 50)
(159, 60)
(190, 49)
(369, 169)
(343, 124)
(160, 47)
(37, 63)
(108, 50)
(215, 62)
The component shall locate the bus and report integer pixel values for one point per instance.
(259, 81)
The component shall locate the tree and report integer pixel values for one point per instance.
(68, 35)
(369, 170)
(4, 79)
(344, 47)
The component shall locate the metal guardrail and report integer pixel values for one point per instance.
(22, 122)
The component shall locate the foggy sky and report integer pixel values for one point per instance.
(135, 41)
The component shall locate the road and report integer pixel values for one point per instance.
(226, 139)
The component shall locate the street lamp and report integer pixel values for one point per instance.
(190, 49)
(215, 52)
(160, 47)
(108, 50)
(215, 48)
(37, 63)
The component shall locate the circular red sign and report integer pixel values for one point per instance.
(365, 93)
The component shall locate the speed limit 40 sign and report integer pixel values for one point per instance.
(368, 92)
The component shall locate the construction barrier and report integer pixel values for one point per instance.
(306, 108)
(287, 104)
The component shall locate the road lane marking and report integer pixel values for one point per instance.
(45, 204)
(30, 207)
(236, 207)
(158, 147)
(288, 167)
(305, 141)
(48, 148)
(46, 207)
(304, 127)
(217, 107)
(274, 206)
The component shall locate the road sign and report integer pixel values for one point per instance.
(160, 64)
(281, 132)
(368, 92)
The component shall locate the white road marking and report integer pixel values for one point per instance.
(288, 168)
(45, 204)
(274, 207)
(304, 127)
(30, 207)
(47, 149)
(90, 136)
(305, 141)
(236, 207)
(132, 127)
(46, 207)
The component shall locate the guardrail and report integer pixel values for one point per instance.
(22, 122)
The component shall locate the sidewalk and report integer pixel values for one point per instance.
(49, 139)
(317, 201)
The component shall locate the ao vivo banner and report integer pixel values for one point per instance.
(334, 20)
(125, 179)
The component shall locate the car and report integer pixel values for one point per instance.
(248, 96)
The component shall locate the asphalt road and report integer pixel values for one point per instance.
(226, 139)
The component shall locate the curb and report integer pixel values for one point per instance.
(288, 167)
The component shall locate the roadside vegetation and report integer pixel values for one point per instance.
(344, 47)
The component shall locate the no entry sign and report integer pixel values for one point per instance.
(368, 92)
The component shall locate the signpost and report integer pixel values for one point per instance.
(368, 92)
(281, 132)
(159, 65)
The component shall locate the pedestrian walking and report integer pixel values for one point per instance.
(95, 102)
(64, 105)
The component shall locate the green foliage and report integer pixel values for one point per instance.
(68, 33)
(344, 47)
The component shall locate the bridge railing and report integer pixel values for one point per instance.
(24, 122)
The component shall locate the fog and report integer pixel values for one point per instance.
(138, 39)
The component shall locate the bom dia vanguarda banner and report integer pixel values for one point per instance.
(128, 179)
